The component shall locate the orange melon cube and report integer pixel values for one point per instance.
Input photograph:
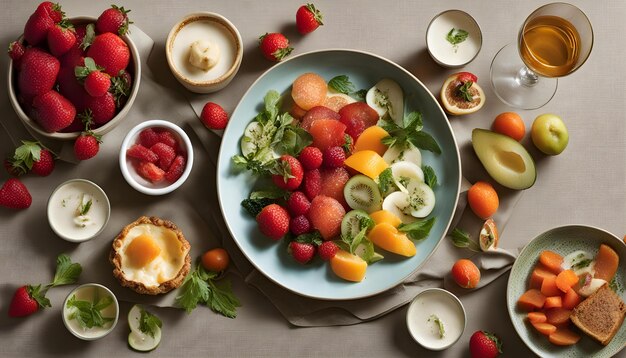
(366, 162)
(348, 266)
(558, 316)
(563, 337)
(571, 299)
(607, 262)
(538, 275)
(544, 328)
(531, 300)
(371, 139)
(549, 288)
(553, 302)
(537, 317)
(566, 279)
(551, 260)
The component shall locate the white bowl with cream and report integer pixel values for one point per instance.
(442, 30)
(204, 51)
(93, 293)
(436, 319)
(78, 210)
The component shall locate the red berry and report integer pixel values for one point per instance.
(327, 250)
(166, 137)
(142, 153)
(110, 52)
(334, 157)
(312, 183)
(53, 111)
(301, 251)
(15, 195)
(37, 26)
(274, 46)
(308, 18)
(213, 116)
(273, 221)
(148, 137)
(298, 203)
(39, 72)
(97, 84)
(45, 165)
(485, 345)
(53, 10)
(61, 38)
(299, 225)
(310, 158)
(165, 153)
(288, 173)
(103, 108)
(150, 171)
(16, 51)
(176, 169)
(23, 304)
(86, 146)
(113, 20)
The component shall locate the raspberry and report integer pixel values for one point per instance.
(273, 221)
(166, 137)
(299, 225)
(312, 183)
(334, 157)
(298, 203)
(301, 251)
(310, 158)
(148, 137)
(327, 250)
(150, 171)
(140, 152)
(176, 169)
(165, 153)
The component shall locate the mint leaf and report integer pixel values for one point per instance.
(462, 239)
(456, 36)
(417, 230)
(313, 237)
(88, 313)
(385, 181)
(66, 272)
(464, 91)
(423, 140)
(430, 178)
(148, 323)
(294, 139)
(341, 84)
(222, 300)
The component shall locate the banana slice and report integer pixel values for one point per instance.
(255, 141)
(387, 96)
(421, 199)
(398, 203)
(404, 173)
(407, 152)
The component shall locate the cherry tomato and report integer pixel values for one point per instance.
(215, 260)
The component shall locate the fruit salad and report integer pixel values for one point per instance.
(347, 179)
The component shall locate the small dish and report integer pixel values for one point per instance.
(128, 169)
(457, 53)
(222, 35)
(78, 210)
(134, 68)
(430, 308)
(91, 292)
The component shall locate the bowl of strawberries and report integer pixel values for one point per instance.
(73, 75)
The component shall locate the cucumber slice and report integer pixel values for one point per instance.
(421, 199)
(361, 192)
(137, 339)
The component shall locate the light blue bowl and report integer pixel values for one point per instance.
(316, 280)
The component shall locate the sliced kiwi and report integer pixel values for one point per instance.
(351, 223)
(361, 192)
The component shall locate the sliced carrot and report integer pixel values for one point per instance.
(531, 300)
(571, 299)
(553, 302)
(537, 317)
(539, 274)
(545, 328)
(563, 337)
(549, 288)
(558, 316)
(607, 262)
(566, 279)
(551, 260)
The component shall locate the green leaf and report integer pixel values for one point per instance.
(418, 230)
(254, 206)
(26, 154)
(193, 291)
(462, 239)
(272, 104)
(83, 209)
(359, 95)
(341, 84)
(464, 91)
(103, 303)
(90, 35)
(66, 272)
(88, 314)
(413, 121)
(456, 36)
(313, 237)
(272, 193)
(385, 181)
(354, 242)
(367, 252)
(423, 140)
(148, 323)
(222, 300)
(38, 295)
(430, 178)
(439, 324)
(294, 139)
(200, 288)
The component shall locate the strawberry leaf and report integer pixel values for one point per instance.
(317, 15)
(90, 35)
(67, 272)
(282, 53)
(38, 295)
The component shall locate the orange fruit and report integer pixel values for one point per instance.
(509, 124)
(309, 90)
(465, 273)
(483, 199)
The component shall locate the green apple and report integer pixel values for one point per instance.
(549, 134)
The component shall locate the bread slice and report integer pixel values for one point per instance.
(601, 315)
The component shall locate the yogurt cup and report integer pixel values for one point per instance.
(429, 309)
(78, 210)
(451, 23)
(91, 292)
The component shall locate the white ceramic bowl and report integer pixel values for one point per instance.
(88, 290)
(445, 53)
(63, 203)
(441, 304)
(204, 25)
(128, 170)
(134, 69)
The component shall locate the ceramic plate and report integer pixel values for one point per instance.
(562, 240)
(316, 279)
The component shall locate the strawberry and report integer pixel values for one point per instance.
(39, 72)
(120, 87)
(148, 137)
(113, 20)
(45, 165)
(312, 183)
(308, 18)
(15, 195)
(103, 108)
(72, 89)
(166, 137)
(16, 51)
(142, 153)
(273, 221)
(150, 171)
(96, 83)
(302, 252)
(310, 158)
(274, 46)
(165, 153)
(61, 38)
(30, 156)
(327, 250)
(176, 169)
(87, 145)
(485, 345)
(287, 173)
(53, 111)
(466, 76)
(213, 116)
(299, 225)
(334, 157)
(37, 26)
(110, 52)
(53, 10)
(298, 203)
(11, 169)
(24, 303)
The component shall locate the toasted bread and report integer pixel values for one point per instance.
(601, 315)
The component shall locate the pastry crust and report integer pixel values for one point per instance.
(116, 259)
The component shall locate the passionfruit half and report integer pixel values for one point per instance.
(461, 94)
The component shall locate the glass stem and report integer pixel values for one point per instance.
(526, 77)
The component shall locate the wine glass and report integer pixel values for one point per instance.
(554, 41)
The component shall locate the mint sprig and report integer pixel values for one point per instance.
(149, 323)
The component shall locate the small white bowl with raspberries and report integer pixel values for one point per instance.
(73, 75)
